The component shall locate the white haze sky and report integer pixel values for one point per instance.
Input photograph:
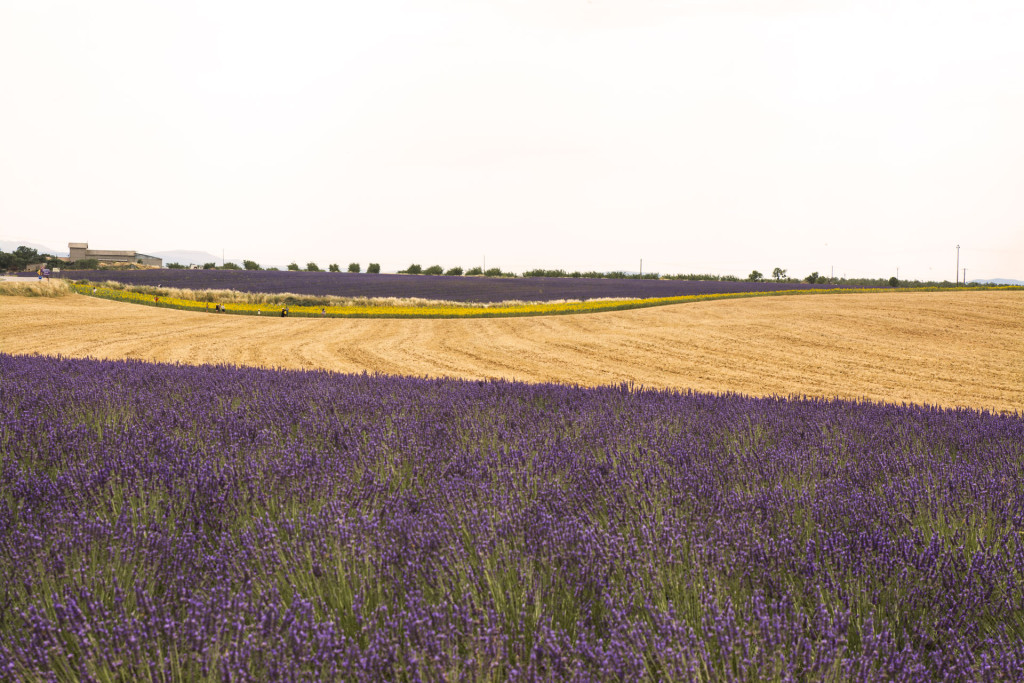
(699, 135)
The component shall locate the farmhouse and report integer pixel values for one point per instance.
(81, 250)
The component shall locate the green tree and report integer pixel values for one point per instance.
(476, 270)
(251, 265)
(312, 267)
(755, 276)
(19, 258)
(413, 269)
(373, 268)
(493, 272)
(433, 270)
(812, 278)
(334, 268)
(779, 273)
(293, 266)
(354, 268)
(209, 266)
(228, 265)
(893, 282)
(175, 266)
(457, 270)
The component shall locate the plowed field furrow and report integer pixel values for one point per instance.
(944, 348)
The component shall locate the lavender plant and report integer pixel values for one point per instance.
(162, 522)
(448, 288)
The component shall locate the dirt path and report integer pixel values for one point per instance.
(945, 348)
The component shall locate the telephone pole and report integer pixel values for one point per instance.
(958, 264)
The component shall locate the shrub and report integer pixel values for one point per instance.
(334, 268)
(822, 280)
(209, 266)
(251, 265)
(893, 282)
(812, 278)
(475, 271)
(175, 266)
(373, 268)
(293, 266)
(433, 270)
(228, 265)
(354, 268)
(540, 272)
(457, 270)
(413, 269)
(312, 267)
(493, 272)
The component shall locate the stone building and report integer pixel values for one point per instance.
(81, 250)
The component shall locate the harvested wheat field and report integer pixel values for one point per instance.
(943, 348)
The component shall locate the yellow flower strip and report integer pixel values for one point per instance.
(490, 311)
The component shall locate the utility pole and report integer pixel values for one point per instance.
(958, 264)
(965, 275)
(897, 272)
(222, 257)
(485, 263)
(641, 269)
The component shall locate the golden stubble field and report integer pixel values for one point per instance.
(944, 348)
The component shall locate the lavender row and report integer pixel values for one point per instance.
(163, 522)
(448, 288)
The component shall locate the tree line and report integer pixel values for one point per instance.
(23, 257)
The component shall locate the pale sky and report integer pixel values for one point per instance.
(698, 135)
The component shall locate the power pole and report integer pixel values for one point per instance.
(958, 264)
(641, 269)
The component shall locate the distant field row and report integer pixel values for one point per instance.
(213, 300)
(462, 289)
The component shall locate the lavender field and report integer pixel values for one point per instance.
(448, 288)
(164, 522)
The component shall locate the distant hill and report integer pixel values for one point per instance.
(186, 257)
(11, 245)
(998, 281)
